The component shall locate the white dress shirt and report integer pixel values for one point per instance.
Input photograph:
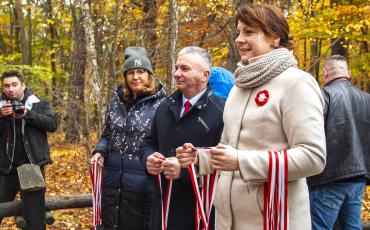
(192, 101)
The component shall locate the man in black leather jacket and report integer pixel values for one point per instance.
(337, 191)
(23, 140)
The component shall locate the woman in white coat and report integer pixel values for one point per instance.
(273, 134)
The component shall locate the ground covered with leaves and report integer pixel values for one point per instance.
(69, 174)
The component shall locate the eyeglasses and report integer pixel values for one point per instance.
(138, 72)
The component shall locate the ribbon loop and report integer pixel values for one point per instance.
(96, 181)
(276, 193)
(204, 197)
(165, 204)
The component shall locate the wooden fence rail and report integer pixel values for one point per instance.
(14, 208)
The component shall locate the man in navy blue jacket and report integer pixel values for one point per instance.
(193, 114)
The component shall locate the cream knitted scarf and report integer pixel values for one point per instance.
(263, 68)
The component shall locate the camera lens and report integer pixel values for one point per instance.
(17, 107)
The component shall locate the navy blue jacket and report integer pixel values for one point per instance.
(347, 124)
(124, 130)
(201, 126)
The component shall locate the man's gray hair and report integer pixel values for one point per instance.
(197, 50)
(337, 65)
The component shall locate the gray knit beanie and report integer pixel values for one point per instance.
(136, 57)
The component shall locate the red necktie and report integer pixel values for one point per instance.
(186, 107)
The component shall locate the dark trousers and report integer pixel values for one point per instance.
(125, 210)
(33, 202)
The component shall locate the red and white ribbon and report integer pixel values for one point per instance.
(276, 193)
(204, 197)
(208, 191)
(166, 202)
(96, 181)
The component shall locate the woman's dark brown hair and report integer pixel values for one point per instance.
(268, 18)
(150, 88)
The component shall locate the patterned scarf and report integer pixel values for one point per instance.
(263, 68)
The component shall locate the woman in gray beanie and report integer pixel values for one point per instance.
(127, 189)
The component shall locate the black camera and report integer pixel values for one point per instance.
(18, 107)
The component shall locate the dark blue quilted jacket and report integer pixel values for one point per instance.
(124, 130)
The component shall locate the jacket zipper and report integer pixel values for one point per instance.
(203, 123)
(13, 147)
(24, 145)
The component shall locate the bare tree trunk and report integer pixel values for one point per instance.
(172, 38)
(11, 27)
(150, 28)
(76, 89)
(18, 7)
(51, 43)
(94, 80)
(233, 55)
(29, 32)
(16, 31)
(284, 5)
(314, 59)
(339, 43)
(2, 44)
(338, 47)
(304, 53)
(364, 47)
(318, 61)
(112, 69)
(99, 22)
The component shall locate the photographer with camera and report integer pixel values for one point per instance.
(24, 123)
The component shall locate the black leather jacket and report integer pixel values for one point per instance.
(347, 130)
(38, 121)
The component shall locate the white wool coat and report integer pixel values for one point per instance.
(292, 119)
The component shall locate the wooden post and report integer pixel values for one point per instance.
(20, 222)
(30, 177)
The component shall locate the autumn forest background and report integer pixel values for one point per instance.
(71, 52)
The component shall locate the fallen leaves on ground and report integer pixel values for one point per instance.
(68, 175)
(366, 205)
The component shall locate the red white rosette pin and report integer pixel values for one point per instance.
(262, 97)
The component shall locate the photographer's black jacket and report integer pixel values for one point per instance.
(38, 121)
